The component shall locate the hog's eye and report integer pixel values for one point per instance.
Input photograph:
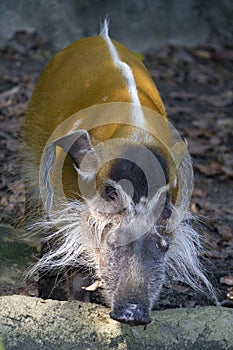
(109, 193)
(163, 244)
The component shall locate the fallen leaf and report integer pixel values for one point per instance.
(6, 96)
(215, 140)
(227, 280)
(209, 169)
(190, 303)
(179, 288)
(194, 133)
(183, 95)
(194, 209)
(222, 55)
(197, 147)
(18, 109)
(225, 231)
(230, 294)
(221, 100)
(225, 123)
(228, 167)
(216, 254)
(204, 54)
(198, 192)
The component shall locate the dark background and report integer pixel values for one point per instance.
(139, 24)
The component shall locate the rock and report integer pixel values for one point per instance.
(139, 24)
(31, 323)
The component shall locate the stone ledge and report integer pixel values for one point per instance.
(32, 323)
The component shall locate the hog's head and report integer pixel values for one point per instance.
(125, 223)
(127, 220)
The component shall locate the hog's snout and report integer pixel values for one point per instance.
(132, 314)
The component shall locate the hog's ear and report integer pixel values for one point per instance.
(78, 146)
(85, 160)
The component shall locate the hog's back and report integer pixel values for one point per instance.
(80, 76)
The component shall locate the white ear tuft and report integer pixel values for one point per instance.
(47, 163)
(89, 166)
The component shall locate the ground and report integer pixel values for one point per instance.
(196, 87)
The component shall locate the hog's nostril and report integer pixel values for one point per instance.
(132, 314)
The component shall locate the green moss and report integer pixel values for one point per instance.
(1, 345)
(13, 249)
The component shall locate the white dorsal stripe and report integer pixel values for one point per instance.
(127, 73)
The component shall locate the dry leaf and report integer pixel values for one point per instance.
(204, 54)
(227, 280)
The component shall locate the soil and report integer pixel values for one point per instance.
(196, 87)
